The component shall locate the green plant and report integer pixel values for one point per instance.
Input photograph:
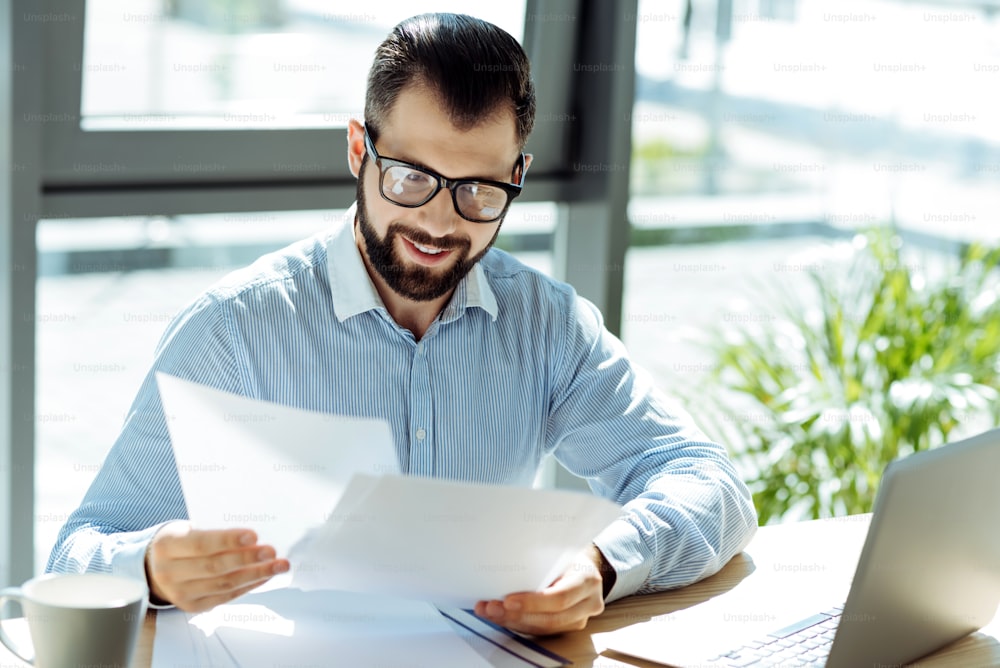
(856, 369)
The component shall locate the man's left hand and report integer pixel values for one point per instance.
(565, 605)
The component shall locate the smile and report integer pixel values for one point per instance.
(429, 251)
(426, 255)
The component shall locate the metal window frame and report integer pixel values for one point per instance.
(127, 172)
(582, 54)
(21, 67)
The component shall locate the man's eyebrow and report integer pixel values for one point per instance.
(417, 163)
(403, 157)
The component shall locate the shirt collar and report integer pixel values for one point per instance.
(353, 291)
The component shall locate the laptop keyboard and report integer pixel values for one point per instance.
(804, 643)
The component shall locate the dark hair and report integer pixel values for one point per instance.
(475, 69)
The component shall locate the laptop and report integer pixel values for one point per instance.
(929, 574)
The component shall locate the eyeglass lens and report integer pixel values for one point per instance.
(411, 187)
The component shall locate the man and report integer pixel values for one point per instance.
(481, 366)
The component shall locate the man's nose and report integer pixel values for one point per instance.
(438, 216)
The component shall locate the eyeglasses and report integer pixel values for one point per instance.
(475, 200)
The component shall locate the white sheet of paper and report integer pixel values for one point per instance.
(184, 639)
(447, 542)
(296, 628)
(178, 643)
(272, 468)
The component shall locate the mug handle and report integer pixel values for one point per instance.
(14, 595)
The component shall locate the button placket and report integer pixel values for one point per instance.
(421, 414)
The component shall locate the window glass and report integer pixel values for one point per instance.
(802, 111)
(804, 120)
(241, 63)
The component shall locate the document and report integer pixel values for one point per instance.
(447, 542)
(296, 628)
(177, 643)
(288, 627)
(275, 469)
(326, 491)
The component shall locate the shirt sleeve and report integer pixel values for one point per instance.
(137, 489)
(685, 510)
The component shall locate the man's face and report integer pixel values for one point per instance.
(423, 253)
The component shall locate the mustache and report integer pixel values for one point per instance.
(418, 236)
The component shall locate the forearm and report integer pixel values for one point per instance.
(120, 513)
(90, 548)
(684, 527)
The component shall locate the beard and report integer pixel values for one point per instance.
(414, 282)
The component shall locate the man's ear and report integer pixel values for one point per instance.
(527, 163)
(355, 145)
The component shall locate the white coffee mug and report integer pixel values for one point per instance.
(88, 619)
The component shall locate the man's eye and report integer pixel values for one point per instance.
(416, 178)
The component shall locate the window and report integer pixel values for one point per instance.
(799, 111)
(150, 64)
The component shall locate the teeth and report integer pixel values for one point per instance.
(429, 251)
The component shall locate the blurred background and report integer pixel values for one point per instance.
(812, 197)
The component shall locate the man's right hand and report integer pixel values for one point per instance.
(197, 570)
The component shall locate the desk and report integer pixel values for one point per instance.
(817, 558)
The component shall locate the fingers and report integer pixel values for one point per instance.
(178, 539)
(201, 595)
(219, 564)
(566, 605)
(192, 588)
(197, 570)
(209, 602)
(573, 618)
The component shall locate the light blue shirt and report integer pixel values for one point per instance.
(516, 366)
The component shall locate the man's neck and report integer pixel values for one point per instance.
(414, 316)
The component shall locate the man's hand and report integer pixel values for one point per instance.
(565, 605)
(198, 570)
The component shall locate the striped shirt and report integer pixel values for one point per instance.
(515, 367)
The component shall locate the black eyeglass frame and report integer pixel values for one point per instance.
(383, 163)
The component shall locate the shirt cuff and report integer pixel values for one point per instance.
(625, 551)
(129, 559)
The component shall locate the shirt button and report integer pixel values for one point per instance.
(421, 434)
